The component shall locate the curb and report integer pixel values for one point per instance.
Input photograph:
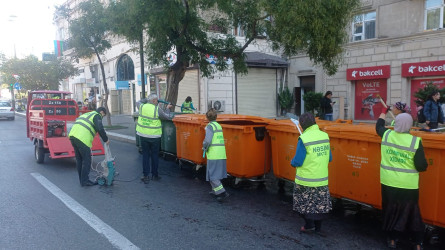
(114, 136)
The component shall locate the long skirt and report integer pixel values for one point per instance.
(312, 202)
(401, 210)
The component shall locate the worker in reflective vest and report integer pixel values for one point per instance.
(215, 149)
(187, 106)
(81, 136)
(402, 158)
(149, 129)
(311, 193)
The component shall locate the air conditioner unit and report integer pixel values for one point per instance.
(218, 105)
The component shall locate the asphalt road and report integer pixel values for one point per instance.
(42, 206)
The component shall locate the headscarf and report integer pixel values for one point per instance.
(307, 120)
(403, 123)
(402, 107)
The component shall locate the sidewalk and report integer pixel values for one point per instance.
(125, 134)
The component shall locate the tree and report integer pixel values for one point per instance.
(316, 27)
(35, 74)
(126, 18)
(88, 35)
(423, 93)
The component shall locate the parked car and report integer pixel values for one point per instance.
(6, 110)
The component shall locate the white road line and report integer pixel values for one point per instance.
(115, 238)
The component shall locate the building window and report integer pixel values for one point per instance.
(125, 69)
(238, 31)
(434, 14)
(363, 26)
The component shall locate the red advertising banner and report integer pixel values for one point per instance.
(367, 103)
(419, 84)
(377, 72)
(434, 68)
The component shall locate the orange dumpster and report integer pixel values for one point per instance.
(284, 139)
(189, 136)
(431, 183)
(247, 145)
(354, 172)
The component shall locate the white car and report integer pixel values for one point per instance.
(6, 110)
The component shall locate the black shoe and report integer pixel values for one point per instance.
(222, 196)
(90, 183)
(212, 194)
(156, 178)
(145, 179)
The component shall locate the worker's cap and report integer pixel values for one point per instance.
(306, 120)
(99, 109)
(402, 107)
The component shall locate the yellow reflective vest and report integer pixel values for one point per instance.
(397, 165)
(314, 171)
(217, 150)
(148, 120)
(186, 107)
(83, 129)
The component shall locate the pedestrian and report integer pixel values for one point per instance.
(433, 110)
(402, 158)
(215, 149)
(150, 130)
(326, 106)
(312, 199)
(187, 106)
(81, 136)
(399, 108)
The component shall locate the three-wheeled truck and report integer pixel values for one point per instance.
(50, 114)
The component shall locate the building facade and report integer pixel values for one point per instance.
(395, 48)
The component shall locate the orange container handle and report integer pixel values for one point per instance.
(343, 121)
(248, 129)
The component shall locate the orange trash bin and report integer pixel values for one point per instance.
(190, 132)
(432, 181)
(354, 172)
(247, 145)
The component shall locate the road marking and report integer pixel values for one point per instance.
(115, 238)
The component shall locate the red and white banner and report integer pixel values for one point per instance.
(434, 68)
(377, 72)
(367, 102)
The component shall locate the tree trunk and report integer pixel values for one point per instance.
(174, 75)
(105, 99)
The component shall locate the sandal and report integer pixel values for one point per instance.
(307, 230)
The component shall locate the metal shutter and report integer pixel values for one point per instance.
(257, 93)
(188, 87)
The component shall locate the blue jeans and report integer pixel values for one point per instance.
(150, 150)
(328, 117)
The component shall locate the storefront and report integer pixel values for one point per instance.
(369, 85)
(421, 73)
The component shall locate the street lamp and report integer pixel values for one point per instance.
(11, 19)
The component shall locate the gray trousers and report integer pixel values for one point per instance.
(217, 187)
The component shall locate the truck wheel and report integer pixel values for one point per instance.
(39, 153)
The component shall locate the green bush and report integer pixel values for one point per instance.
(285, 99)
(312, 102)
(422, 94)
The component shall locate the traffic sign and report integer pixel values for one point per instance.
(17, 86)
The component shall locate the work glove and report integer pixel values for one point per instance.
(385, 110)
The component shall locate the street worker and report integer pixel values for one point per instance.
(187, 106)
(215, 149)
(326, 106)
(433, 111)
(312, 199)
(402, 158)
(81, 136)
(150, 130)
(399, 108)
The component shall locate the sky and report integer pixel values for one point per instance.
(27, 24)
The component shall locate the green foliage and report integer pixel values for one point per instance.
(285, 98)
(422, 94)
(312, 102)
(35, 74)
(316, 27)
(88, 32)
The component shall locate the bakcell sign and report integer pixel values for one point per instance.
(434, 68)
(366, 73)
